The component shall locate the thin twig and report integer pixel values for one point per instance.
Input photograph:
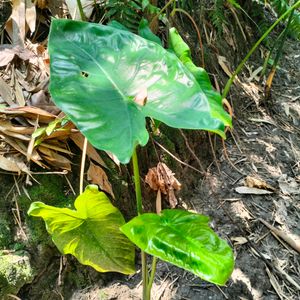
(214, 154)
(228, 159)
(177, 159)
(82, 165)
(191, 150)
(197, 30)
(295, 244)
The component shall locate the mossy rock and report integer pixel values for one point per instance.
(15, 271)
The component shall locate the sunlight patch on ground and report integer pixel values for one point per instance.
(238, 275)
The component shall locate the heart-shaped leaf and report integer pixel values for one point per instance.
(98, 71)
(185, 240)
(90, 233)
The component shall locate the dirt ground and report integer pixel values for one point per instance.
(265, 145)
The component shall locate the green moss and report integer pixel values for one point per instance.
(15, 271)
(50, 191)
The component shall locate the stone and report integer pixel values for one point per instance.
(15, 271)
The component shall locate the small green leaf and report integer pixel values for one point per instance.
(90, 233)
(185, 240)
(145, 3)
(51, 126)
(38, 132)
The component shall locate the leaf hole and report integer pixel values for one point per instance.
(84, 74)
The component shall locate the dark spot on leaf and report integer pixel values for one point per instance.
(84, 74)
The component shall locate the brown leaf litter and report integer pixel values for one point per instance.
(161, 178)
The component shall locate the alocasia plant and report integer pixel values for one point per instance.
(98, 74)
(91, 232)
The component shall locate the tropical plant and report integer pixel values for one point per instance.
(290, 11)
(282, 6)
(108, 80)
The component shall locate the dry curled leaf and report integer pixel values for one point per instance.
(97, 175)
(239, 240)
(29, 112)
(162, 178)
(6, 92)
(253, 182)
(55, 159)
(9, 165)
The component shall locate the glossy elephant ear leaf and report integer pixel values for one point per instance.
(96, 73)
(185, 240)
(90, 233)
(183, 52)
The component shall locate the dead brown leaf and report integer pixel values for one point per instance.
(78, 139)
(55, 159)
(9, 165)
(6, 126)
(239, 240)
(18, 22)
(98, 176)
(19, 94)
(20, 147)
(252, 190)
(30, 15)
(254, 182)
(224, 65)
(29, 112)
(162, 178)
(6, 92)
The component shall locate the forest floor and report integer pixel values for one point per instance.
(264, 150)
(251, 192)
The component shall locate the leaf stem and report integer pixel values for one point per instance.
(277, 57)
(241, 65)
(82, 15)
(138, 195)
(151, 278)
(160, 12)
(137, 182)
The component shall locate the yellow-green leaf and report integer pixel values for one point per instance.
(90, 233)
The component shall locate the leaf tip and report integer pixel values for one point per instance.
(34, 207)
(92, 188)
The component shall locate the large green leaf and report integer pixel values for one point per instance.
(183, 52)
(185, 240)
(96, 73)
(90, 233)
